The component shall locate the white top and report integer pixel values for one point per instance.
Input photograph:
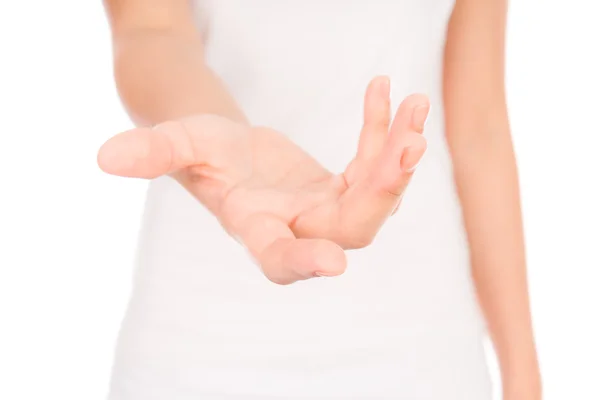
(402, 322)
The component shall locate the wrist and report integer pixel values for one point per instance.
(522, 382)
(522, 391)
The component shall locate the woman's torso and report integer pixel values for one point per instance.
(202, 317)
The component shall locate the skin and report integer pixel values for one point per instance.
(295, 217)
(478, 133)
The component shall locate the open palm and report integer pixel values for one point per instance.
(294, 216)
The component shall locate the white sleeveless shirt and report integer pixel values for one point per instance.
(402, 322)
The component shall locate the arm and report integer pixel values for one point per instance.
(485, 171)
(159, 63)
(293, 216)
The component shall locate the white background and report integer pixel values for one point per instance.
(68, 232)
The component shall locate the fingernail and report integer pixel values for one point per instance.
(384, 87)
(410, 159)
(323, 275)
(419, 117)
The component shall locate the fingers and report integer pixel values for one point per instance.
(170, 146)
(285, 259)
(376, 119)
(405, 146)
(365, 206)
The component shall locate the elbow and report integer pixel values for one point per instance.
(476, 124)
(478, 135)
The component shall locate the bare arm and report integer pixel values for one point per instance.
(293, 216)
(159, 63)
(485, 171)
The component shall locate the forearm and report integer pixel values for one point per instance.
(486, 178)
(478, 133)
(162, 75)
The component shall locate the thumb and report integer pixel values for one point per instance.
(167, 147)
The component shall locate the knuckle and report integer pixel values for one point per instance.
(197, 173)
(179, 140)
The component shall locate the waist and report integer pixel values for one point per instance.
(369, 370)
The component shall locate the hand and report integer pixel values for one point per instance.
(294, 217)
